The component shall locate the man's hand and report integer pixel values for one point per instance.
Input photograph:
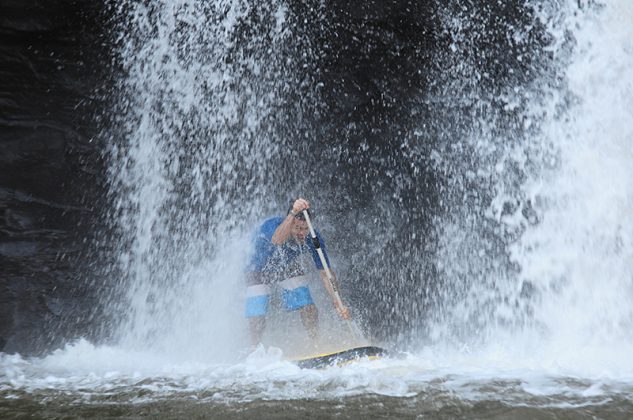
(342, 310)
(284, 230)
(300, 205)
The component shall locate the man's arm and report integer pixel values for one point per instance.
(284, 230)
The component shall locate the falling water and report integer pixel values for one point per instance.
(535, 245)
(525, 223)
(195, 155)
(577, 259)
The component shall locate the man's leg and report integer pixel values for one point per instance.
(257, 325)
(257, 297)
(310, 320)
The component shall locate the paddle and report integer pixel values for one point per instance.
(328, 273)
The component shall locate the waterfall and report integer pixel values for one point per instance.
(578, 258)
(535, 243)
(519, 230)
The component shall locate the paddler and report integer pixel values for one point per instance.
(278, 244)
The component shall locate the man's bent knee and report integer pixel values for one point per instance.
(309, 309)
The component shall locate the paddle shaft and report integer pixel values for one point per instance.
(328, 273)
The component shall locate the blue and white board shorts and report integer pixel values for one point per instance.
(295, 295)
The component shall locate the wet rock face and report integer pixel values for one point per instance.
(52, 176)
(50, 172)
(372, 60)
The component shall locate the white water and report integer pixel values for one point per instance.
(579, 258)
(565, 308)
(197, 115)
(90, 373)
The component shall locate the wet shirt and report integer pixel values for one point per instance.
(281, 261)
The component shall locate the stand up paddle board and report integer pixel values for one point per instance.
(340, 358)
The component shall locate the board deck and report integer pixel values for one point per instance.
(340, 358)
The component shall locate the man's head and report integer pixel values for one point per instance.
(300, 228)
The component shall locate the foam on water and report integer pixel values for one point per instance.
(82, 368)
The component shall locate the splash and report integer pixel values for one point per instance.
(519, 235)
(197, 136)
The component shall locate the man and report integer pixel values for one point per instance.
(279, 243)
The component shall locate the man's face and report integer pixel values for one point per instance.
(300, 230)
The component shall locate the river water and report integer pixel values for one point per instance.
(541, 329)
(87, 381)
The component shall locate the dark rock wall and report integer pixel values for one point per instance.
(375, 64)
(51, 172)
